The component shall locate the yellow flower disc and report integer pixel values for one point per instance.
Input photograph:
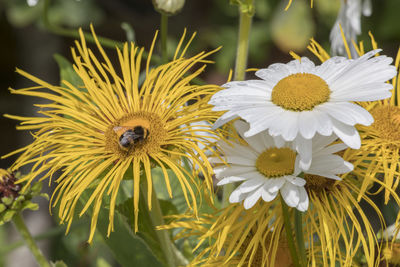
(387, 122)
(151, 144)
(316, 183)
(300, 91)
(276, 162)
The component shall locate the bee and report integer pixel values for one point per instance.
(129, 137)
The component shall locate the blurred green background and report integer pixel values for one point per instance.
(28, 43)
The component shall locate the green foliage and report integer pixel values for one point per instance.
(67, 72)
(10, 206)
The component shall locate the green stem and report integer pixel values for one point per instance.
(156, 217)
(164, 34)
(298, 228)
(289, 233)
(23, 230)
(245, 19)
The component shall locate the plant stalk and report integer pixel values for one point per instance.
(298, 228)
(156, 217)
(289, 233)
(242, 49)
(164, 35)
(23, 230)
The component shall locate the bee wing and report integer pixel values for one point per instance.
(117, 128)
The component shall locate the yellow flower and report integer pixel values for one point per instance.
(235, 236)
(337, 222)
(112, 127)
(379, 155)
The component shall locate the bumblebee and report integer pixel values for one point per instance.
(129, 137)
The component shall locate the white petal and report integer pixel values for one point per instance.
(252, 198)
(233, 170)
(268, 196)
(230, 179)
(285, 125)
(295, 180)
(290, 194)
(348, 134)
(304, 148)
(303, 202)
(347, 113)
(308, 124)
(250, 185)
(274, 184)
(255, 141)
(236, 196)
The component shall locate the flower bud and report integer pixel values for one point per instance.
(12, 199)
(168, 7)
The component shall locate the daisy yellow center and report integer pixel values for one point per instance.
(387, 122)
(316, 183)
(300, 91)
(276, 162)
(152, 131)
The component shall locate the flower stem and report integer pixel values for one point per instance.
(156, 217)
(23, 230)
(245, 18)
(289, 233)
(164, 34)
(298, 228)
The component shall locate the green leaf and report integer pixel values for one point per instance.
(36, 188)
(67, 72)
(7, 200)
(8, 215)
(2, 207)
(129, 249)
(29, 205)
(145, 225)
(178, 199)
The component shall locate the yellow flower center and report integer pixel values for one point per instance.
(136, 134)
(316, 183)
(387, 122)
(300, 91)
(276, 162)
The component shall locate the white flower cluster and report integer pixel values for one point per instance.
(349, 18)
(294, 113)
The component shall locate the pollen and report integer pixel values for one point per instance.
(300, 91)
(155, 137)
(316, 183)
(387, 122)
(276, 162)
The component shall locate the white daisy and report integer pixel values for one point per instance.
(349, 18)
(298, 99)
(267, 166)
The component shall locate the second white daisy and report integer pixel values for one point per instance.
(268, 165)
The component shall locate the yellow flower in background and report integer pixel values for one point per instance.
(235, 236)
(112, 127)
(378, 159)
(336, 223)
